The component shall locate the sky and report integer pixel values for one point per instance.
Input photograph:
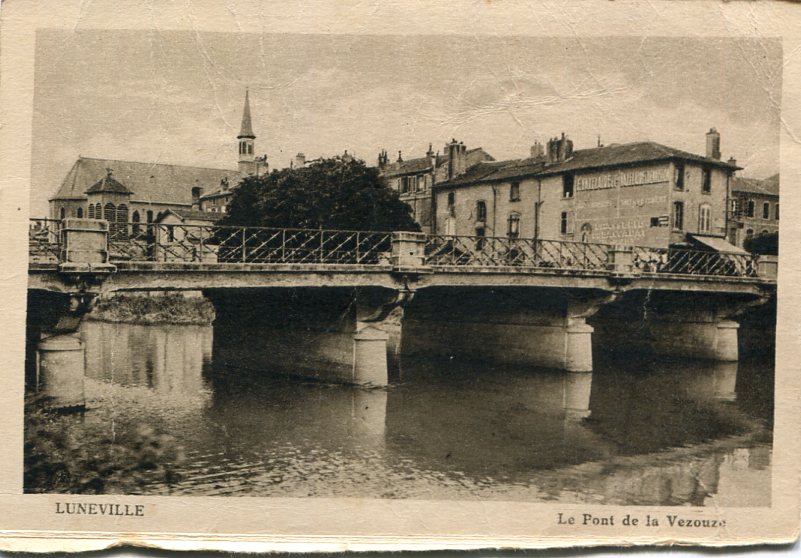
(176, 97)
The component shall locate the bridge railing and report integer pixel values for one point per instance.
(44, 240)
(177, 242)
(229, 244)
(482, 251)
(694, 262)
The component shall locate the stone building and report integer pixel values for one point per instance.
(414, 179)
(642, 193)
(122, 191)
(754, 208)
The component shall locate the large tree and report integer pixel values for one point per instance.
(765, 243)
(337, 193)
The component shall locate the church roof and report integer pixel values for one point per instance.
(148, 182)
(108, 184)
(247, 129)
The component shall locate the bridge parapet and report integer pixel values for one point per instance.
(79, 244)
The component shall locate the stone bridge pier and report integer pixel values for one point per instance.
(675, 323)
(55, 359)
(348, 335)
(542, 327)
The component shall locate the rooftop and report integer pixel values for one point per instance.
(596, 157)
(766, 186)
(148, 182)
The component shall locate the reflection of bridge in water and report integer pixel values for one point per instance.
(352, 300)
(668, 433)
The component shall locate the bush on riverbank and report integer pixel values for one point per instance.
(57, 460)
(166, 309)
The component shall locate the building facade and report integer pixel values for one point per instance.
(122, 191)
(414, 179)
(642, 194)
(754, 208)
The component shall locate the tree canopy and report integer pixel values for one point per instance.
(336, 193)
(767, 244)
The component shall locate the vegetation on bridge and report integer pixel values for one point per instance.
(336, 193)
(162, 309)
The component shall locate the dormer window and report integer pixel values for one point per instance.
(514, 192)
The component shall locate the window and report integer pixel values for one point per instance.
(704, 218)
(170, 233)
(678, 177)
(750, 208)
(91, 211)
(108, 212)
(567, 185)
(735, 206)
(586, 232)
(654, 221)
(481, 211)
(514, 192)
(563, 223)
(404, 186)
(706, 185)
(79, 213)
(98, 211)
(678, 216)
(749, 233)
(136, 219)
(764, 231)
(451, 200)
(514, 226)
(480, 234)
(149, 215)
(776, 211)
(766, 210)
(62, 213)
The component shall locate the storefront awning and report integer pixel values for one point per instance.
(717, 244)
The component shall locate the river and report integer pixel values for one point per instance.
(648, 431)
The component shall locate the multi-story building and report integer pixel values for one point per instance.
(122, 191)
(754, 208)
(643, 193)
(414, 179)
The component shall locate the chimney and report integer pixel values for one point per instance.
(400, 156)
(732, 161)
(456, 158)
(559, 149)
(537, 150)
(383, 159)
(432, 159)
(298, 161)
(197, 192)
(713, 144)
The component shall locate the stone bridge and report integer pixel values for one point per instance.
(351, 299)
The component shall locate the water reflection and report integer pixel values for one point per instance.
(633, 432)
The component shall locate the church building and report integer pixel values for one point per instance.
(138, 192)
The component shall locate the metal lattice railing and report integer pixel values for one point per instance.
(44, 240)
(159, 242)
(694, 262)
(481, 251)
(228, 244)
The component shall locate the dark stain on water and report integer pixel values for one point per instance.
(649, 431)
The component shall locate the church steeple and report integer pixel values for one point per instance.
(246, 139)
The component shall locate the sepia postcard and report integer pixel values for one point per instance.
(342, 275)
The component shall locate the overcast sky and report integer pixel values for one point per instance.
(176, 97)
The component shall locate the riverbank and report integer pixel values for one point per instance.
(151, 310)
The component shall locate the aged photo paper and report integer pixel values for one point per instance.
(399, 275)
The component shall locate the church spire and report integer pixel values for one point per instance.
(247, 157)
(247, 128)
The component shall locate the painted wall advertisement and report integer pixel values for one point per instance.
(608, 210)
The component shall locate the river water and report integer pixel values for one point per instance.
(648, 431)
